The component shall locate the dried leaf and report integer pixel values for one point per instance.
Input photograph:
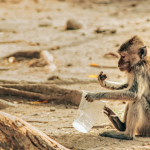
(93, 64)
(110, 55)
(92, 76)
(41, 102)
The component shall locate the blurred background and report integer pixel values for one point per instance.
(72, 40)
(76, 33)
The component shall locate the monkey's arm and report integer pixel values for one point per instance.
(109, 84)
(113, 85)
(113, 95)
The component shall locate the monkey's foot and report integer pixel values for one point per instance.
(115, 134)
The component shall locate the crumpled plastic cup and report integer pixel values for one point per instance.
(89, 113)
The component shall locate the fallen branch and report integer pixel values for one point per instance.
(43, 92)
(9, 42)
(18, 134)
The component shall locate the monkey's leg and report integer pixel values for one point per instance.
(130, 120)
(116, 134)
(114, 119)
(117, 123)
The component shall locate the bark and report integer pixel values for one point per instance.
(17, 134)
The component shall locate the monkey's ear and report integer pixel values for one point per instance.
(143, 52)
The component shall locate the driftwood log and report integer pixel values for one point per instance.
(17, 134)
(42, 92)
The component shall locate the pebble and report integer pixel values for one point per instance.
(52, 109)
(73, 24)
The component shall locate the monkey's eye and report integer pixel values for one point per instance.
(123, 56)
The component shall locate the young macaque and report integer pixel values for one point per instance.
(136, 91)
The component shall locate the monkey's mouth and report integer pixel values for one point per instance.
(122, 69)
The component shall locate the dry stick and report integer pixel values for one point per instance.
(60, 82)
(4, 68)
(7, 42)
(18, 134)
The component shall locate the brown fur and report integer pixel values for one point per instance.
(136, 91)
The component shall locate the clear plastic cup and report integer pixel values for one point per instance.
(89, 113)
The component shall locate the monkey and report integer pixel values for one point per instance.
(135, 91)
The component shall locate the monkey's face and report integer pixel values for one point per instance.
(131, 57)
(124, 62)
(127, 60)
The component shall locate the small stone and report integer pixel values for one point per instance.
(133, 5)
(117, 45)
(122, 26)
(83, 34)
(45, 23)
(148, 20)
(113, 31)
(99, 30)
(55, 48)
(69, 64)
(49, 17)
(73, 25)
(52, 109)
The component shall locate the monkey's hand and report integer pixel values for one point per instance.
(108, 111)
(101, 78)
(90, 97)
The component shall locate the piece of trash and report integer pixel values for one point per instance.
(93, 64)
(99, 66)
(11, 60)
(39, 102)
(92, 76)
(89, 113)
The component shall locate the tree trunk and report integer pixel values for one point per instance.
(17, 134)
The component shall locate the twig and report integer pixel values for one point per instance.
(58, 82)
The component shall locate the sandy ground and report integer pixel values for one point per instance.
(20, 29)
